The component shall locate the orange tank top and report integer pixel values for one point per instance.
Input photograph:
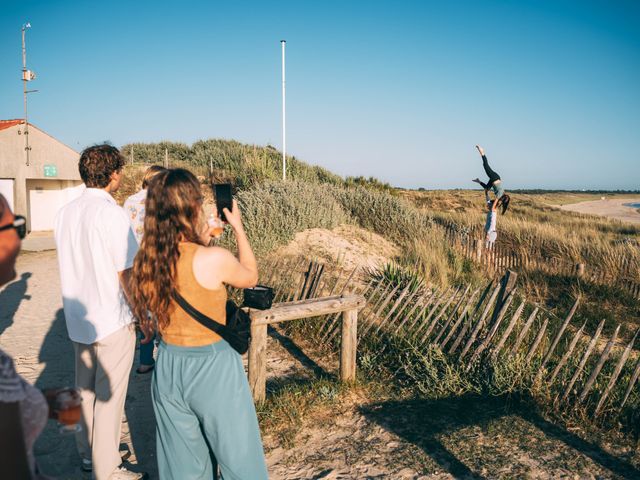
(183, 330)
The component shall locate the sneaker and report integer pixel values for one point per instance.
(121, 473)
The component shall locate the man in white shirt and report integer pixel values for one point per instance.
(96, 249)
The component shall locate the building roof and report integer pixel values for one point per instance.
(4, 124)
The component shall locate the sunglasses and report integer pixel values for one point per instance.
(20, 224)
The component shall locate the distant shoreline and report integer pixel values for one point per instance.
(624, 209)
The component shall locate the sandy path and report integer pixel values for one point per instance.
(610, 208)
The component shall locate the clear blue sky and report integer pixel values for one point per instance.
(399, 90)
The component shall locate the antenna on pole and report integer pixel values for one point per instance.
(284, 124)
(27, 76)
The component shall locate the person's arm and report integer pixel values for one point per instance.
(246, 274)
(13, 453)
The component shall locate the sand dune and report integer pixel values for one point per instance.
(611, 208)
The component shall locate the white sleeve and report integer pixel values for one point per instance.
(120, 240)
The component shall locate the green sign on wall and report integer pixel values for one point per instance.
(50, 171)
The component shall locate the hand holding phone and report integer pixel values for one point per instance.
(224, 198)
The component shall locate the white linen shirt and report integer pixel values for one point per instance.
(95, 242)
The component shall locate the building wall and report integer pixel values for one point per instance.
(45, 150)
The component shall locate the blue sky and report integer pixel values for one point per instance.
(398, 90)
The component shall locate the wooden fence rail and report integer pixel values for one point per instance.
(285, 312)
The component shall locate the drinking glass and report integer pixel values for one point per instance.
(66, 407)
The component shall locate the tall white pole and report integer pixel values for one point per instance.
(284, 123)
(24, 84)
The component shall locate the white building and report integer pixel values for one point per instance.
(51, 179)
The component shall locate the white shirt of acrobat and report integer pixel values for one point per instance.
(95, 242)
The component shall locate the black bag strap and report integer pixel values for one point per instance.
(200, 317)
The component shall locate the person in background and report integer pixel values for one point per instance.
(134, 207)
(96, 248)
(23, 408)
(495, 182)
(491, 233)
(200, 392)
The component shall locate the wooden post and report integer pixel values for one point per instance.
(258, 362)
(508, 284)
(478, 250)
(580, 270)
(349, 345)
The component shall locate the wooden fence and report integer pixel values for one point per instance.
(500, 257)
(348, 306)
(476, 325)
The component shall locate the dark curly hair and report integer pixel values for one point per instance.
(97, 163)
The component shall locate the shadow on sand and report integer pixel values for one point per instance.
(421, 422)
(10, 299)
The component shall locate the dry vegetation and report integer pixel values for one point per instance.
(396, 371)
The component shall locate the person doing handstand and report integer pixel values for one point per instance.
(495, 182)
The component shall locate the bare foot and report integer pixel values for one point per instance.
(480, 149)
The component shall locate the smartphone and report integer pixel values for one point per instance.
(224, 198)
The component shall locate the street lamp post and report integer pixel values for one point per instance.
(27, 76)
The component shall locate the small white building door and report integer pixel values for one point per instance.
(6, 189)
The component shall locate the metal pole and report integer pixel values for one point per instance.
(284, 124)
(24, 83)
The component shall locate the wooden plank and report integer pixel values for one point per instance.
(433, 310)
(615, 374)
(524, 331)
(480, 324)
(348, 345)
(599, 365)
(434, 296)
(632, 382)
(258, 362)
(410, 300)
(394, 307)
(439, 316)
(381, 308)
(583, 362)
(417, 304)
(332, 321)
(537, 341)
(284, 312)
(509, 329)
(461, 317)
(485, 343)
(558, 336)
(567, 354)
(452, 315)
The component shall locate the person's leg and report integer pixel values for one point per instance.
(114, 360)
(85, 357)
(181, 447)
(225, 406)
(493, 176)
(146, 355)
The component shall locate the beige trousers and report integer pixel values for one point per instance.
(102, 375)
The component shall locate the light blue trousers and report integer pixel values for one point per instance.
(203, 407)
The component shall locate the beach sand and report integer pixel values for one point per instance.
(610, 208)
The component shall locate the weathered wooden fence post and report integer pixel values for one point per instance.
(258, 362)
(348, 346)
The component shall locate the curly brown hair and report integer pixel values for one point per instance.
(173, 212)
(97, 163)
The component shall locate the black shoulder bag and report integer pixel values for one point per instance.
(237, 331)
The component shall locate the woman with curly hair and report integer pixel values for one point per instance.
(200, 392)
